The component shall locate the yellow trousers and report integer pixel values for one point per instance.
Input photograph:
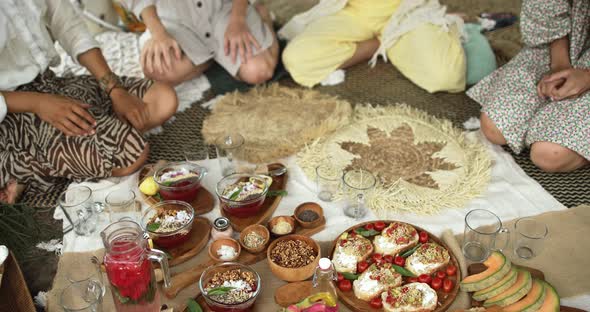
(430, 57)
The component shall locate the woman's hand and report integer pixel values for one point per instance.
(239, 40)
(67, 115)
(130, 108)
(157, 54)
(575, 82)
(545, 88)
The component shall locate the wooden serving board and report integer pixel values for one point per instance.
(202, 204)
(191, 276)
(293, 293)
(199, 236)
(476, 268)
(269, 206)
(445, 299)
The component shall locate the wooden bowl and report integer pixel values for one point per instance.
(294, 274)
(274, 221)
(220, 242)
(313, 207)
(260, 230)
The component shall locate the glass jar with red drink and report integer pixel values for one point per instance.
(230, 287)
(179, 180)
(128, 265)
(241, 195)
(168, 223)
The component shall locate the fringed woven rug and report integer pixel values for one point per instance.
(276, 121)
(423, 163)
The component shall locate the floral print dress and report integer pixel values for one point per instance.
(509, 95)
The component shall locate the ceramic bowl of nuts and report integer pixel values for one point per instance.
(254, 238)
(224, 250)
(309, 215)
(281, 225)
(293, 258)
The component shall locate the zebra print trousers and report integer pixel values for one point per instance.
(35, 153)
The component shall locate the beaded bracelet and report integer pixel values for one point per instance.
(108, 79)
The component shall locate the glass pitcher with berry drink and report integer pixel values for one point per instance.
(128, 265)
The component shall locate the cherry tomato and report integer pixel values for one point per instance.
(451, 270)
(388, 258)
(377, 258)
(447, 285)
(400, 261)
(361, 266)
(412, 279)
(376, 303)
(423, 236)
(370, 226)
(424, 278)
(340, 277)
(345, 285)
(436, 283)
(379, 226)
(441, 274)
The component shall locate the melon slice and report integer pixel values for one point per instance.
(497, 267)
(532, 301)
(551, 302)
(523, 285)
(498, 287)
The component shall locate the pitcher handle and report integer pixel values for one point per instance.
(505, 232)
(162, 259)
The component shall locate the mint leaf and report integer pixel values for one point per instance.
(193, 306)
(277, 193)
(366, 233)
(350, 276)
(158, 196)
(218, 291)
(235, 194)
(152, 227)
(402, 271)
(409, 252)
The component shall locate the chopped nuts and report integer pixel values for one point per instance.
(293, 254)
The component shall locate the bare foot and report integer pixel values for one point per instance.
(9, 193)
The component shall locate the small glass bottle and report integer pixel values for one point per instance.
(221, 229)
(324, 291)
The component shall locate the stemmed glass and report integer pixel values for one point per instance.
(357, 184)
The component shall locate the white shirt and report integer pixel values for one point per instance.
(27, 32)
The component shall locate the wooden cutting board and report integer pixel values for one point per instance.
(191, 276)
(476, 268)
(202, 204)
(269, 206)
(199, 236)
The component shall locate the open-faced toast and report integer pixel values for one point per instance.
(375, 280)
(350, 250)
(413, 297)
(396, 238)
(427, 259)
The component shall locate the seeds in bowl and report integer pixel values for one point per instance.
(292, 254)
(168, 220)
(308, 216)
(232, 286)
(282, 227)
(226, 253)
(253, 240)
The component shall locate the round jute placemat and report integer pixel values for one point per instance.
(275, 121)
(423, 164)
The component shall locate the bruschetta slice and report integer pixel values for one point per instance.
(350, 249)
(427, 259)
(375, 280)
(413, 297)
(396, 238)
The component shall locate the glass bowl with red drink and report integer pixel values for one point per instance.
(241, 195)
(179, 180)
(230, 287)
(168, 223)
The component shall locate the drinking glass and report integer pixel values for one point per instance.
(358, 184)
(227, 146)
(121, 203)
(84, 296)
(83, 269)
(78, 205)
(196, 155)
(529, 236)
(328, 181)
(482, 228)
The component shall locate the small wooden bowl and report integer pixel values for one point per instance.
(274, 221)
(294, 274)
(260, 230)
(313, 207)
(220, 242)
